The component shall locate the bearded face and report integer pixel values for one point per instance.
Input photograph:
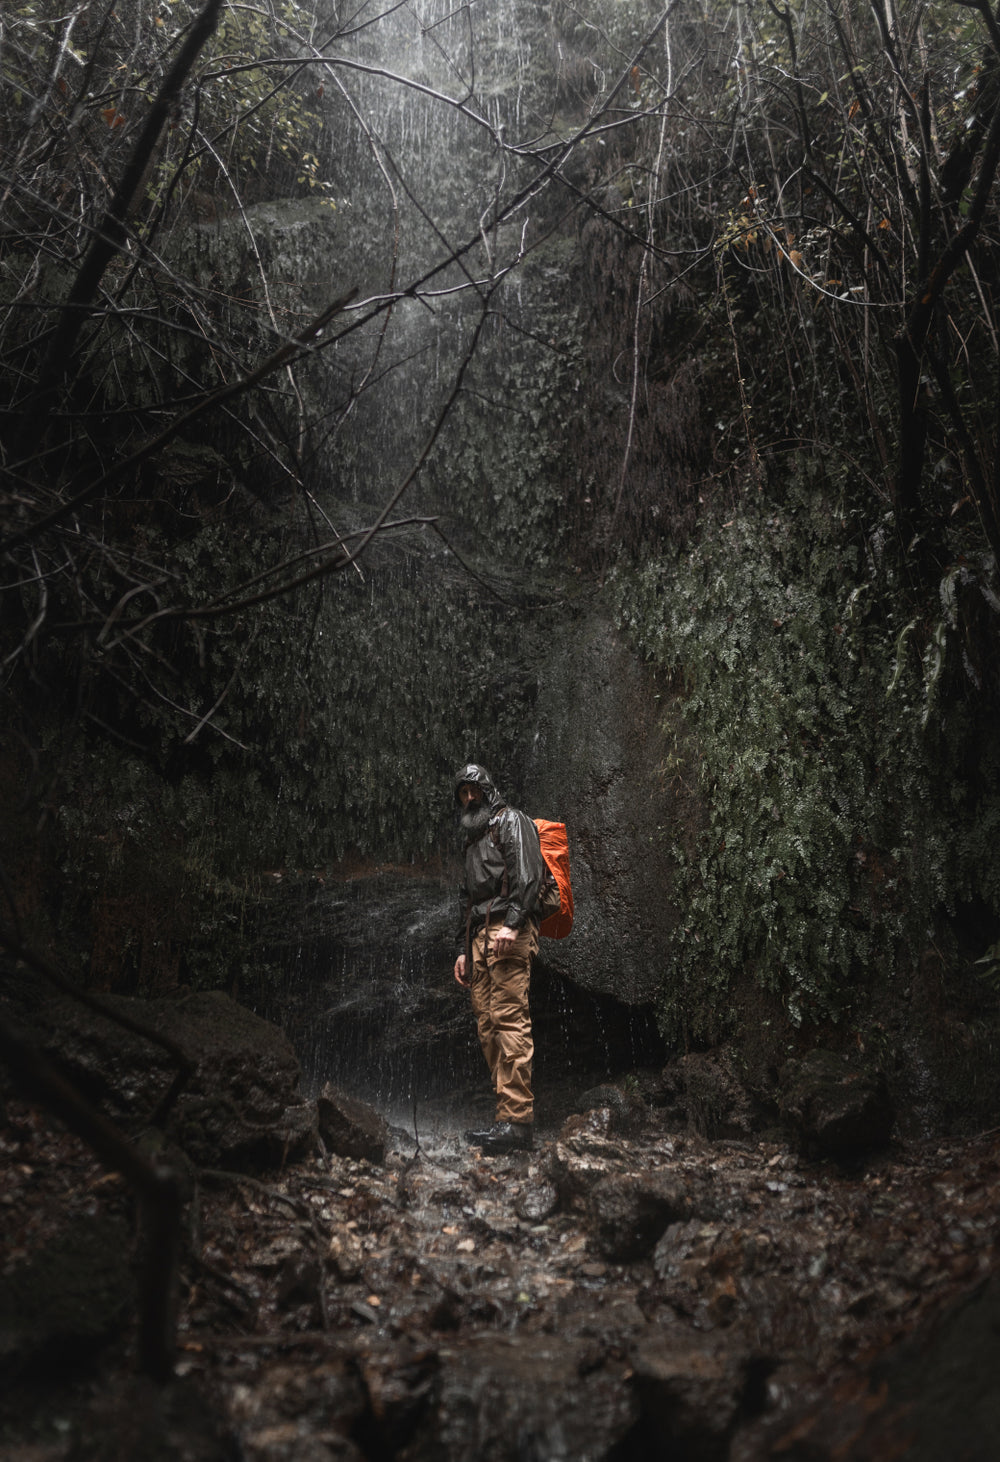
(475, 819)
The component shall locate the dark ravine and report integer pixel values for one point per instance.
(758, 1250)
(360, 956)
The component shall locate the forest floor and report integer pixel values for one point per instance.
(605, 1296)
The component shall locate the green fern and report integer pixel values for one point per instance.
(845, 810)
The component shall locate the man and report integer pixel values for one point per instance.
(506, 889)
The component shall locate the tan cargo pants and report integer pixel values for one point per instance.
(499, 990)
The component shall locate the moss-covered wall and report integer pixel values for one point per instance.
(844, 880)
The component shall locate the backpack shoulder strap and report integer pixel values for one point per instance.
(494, 837)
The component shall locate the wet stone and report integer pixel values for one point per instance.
(589, 1131)
(349, 1127)
(836, 1106)
(932, 1396)
(629, 1211)
(683, 1244)
(443, 1325)
(240, 1108)
(536, 1201)
(583, 1155)
(303, 1409)
(693, 1389)
(345, 1255)
(703, 1268)
(510, 1397)
(622, 1112)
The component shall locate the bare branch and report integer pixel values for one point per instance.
(110, 236)
(285, 353)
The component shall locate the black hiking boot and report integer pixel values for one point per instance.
(503, 1137)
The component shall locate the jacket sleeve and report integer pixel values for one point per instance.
(462, 902)
(522, 855)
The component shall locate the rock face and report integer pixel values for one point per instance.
(293, 240)
(595, 763)
(835, 1106)
(373, 1003)
(240, 1107)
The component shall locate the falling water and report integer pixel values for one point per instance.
(366, 995)
(425, 663)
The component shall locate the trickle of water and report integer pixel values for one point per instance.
(366, 999)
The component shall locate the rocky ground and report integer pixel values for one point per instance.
(627, 1290)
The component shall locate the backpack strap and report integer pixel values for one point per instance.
(505, 885)
(546, 889)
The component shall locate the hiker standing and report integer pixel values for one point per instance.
(507, 889)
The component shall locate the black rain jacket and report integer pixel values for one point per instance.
(510, 842)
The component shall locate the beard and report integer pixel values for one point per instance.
(475, 819)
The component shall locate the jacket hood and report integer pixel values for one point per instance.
(479, 777)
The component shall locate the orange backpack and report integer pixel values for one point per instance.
(555, 851)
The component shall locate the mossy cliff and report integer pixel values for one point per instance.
(844, 875)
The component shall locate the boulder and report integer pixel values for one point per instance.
(626, 1111)
(536, 1201)
(240, 1108)
(693, 1390)
(702, 1266)
(582, 1155)
(70, 1297)
(595, 761)
(516, 1397)
(349, 1127)
(930, 1396)
(835, 1106)
(629, 1211)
